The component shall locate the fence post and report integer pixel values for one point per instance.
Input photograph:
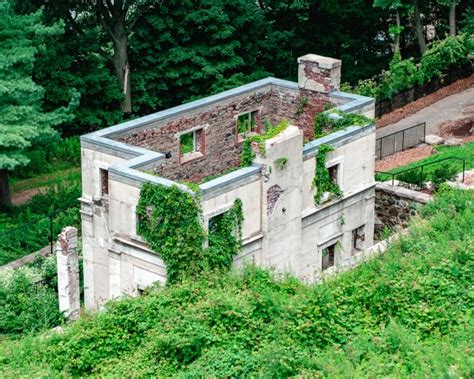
(421, 178)
(463, 169)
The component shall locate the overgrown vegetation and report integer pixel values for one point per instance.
(322, 180)
(440, 57)
(170, 221)
(332, 120)
(403, 314)
(28, 298)
(248, 154)
(25, 229)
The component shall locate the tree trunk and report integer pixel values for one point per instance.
(5, 198)
(452, 18)
(397, 37)
(419, 29)
(120, 60)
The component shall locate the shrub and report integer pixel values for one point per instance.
(443, 174)
(414, 177)
(26, 304)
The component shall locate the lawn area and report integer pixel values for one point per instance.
(404, 314)
(465, 152)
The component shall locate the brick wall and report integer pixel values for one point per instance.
(222, 150)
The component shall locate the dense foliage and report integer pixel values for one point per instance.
(28, 298)
(25, 229)
(22, 120)
(404, 314)
(441, 57)
(170, 221)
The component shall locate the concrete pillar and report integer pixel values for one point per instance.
(319, 74)
(68, 273)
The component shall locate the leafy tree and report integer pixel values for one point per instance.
(117, 19)
(196, 48)
(22, 121)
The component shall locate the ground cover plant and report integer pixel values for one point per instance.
(407, 313)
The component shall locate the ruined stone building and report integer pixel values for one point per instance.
(283, 227)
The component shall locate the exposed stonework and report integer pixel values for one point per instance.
(273, 194)
(68, 273)
(394, 205)
(318, 73)
(219, 145)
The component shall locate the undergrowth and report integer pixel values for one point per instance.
(406, 313)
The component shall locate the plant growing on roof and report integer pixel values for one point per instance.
(248, 154)
(324, 124)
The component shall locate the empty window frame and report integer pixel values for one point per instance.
(104, 182)
(327, 256)
(358, 238)
(334, 173)
(191, 142)
(247, 123)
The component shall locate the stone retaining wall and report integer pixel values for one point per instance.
(395, 205)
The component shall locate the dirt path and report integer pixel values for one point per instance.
(24, 190)
(22, 197)
(448, 109)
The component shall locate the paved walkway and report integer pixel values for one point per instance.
(446, 109)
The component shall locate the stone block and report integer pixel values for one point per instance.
(432, 139)
(453, 142)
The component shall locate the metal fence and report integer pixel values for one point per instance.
(400, 141)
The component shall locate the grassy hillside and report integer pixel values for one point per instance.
(407, 313)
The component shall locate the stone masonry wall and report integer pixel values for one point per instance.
(287, 104)
(396, 205)
(221, 148)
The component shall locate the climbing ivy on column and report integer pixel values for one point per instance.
(170, 220)
(322, 180)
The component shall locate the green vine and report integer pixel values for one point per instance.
(248, 154)
(322, 180)
(225, 236)
(324, 124)
(170, 221)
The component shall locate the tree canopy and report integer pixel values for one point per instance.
(22, 121)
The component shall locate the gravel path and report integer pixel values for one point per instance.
(434, 115)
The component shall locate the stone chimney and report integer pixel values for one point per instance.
(319, 74)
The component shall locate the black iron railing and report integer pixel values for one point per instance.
(393, 175)
(400, 141)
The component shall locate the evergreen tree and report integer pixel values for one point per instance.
(22, 121)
